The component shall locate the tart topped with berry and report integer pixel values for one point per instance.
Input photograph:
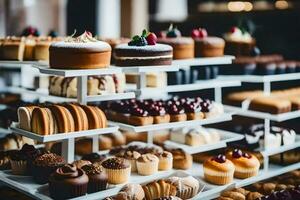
(183, 47)
(143, 50)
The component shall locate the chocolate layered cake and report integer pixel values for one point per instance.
(143, 51)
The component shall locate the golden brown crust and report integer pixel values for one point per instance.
(244, 162)
(40, 121)
(178, 118)
(195, 116)
(216, 166)
(79, 116)
(93, 116)
(140, 121)
(182, 161)
(161, 119)
(64, 119)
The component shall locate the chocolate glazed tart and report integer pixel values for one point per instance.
(158, 54)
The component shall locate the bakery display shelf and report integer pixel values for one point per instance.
(25, 185)
(13, 64)
(153, 127)
(62, 136)
(263, 115)
(199, 85)
(78, 72)
(263, 78)
(145, 69)
(281, 149)
(225, 138)
(4, 131)
(222, 60)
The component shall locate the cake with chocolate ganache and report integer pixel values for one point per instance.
(143, 51)
(82, 52)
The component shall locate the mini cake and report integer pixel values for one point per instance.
(207, 46)
(44, 165)
(147, 164)
(159, 114)
(139, 117)
(193, 111)
(97, 178)
(181, 159)
(218, 170)
(246, 165)
(68, 182)
(13, 48)
(176, 112)
(238, 42)
(132, 157)
(183, 47)
(117, 169)
(83, 52)
(165, 161)
(143, 51)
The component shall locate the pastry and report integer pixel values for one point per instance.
(117, 138)
(117, 169)
(83, 52)
(13, 142)
(253, 195)
(233, 195)
(132, 157)
(64, 119)
(68, 182)
(176, 113)
(183, 47)
(139, 117)
(29, 48)
(18, 162)
(246, 165)
(159, 114)
(218, 170)
(79, 116)
(181, 159)
(5, 160)
(13, 48)
(147, 164)
(133, 191)
(187, 187)
(24, 116)
(207, 46)
(143, 51)
(165, 161)
(97, 178)
(96, 117)
(43, 122)
(270, 105)
(44, 165)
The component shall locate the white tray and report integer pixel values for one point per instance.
(61, 136)
(225, 138)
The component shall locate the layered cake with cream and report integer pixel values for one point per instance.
(143, 51)
(82, 52)
(183, 47)
(97, 85)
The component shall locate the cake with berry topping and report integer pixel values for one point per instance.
(239, 42)
(143, 51)
(207, 46)
(183, 47)
(82, 52)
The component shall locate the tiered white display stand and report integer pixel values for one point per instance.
(26, 186)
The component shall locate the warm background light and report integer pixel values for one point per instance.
(281, 4)
(236, 6)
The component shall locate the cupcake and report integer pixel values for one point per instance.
(93, 157)
(246, 165)
(19, 160)
(165, 161)
(147, 164)
(44, 165)
(117, 169)
(207, 46)
(131, 156)
(181, 159)
(97, 178)
(80, 163)
(218, 170)
(68, 182)
(31, 154)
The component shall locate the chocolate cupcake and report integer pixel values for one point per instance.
(93, 157)
(18, 162)
(117, 169)
(68, 182)
(44, 165)
(31, 154)
(97, 178)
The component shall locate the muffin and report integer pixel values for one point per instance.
(68, 182)
(218, 170)
(44, 165)
(147, 164)
(97, 178)
(131, 156)
(31, 154)
(165, 161)
(246, 165)
(117, 169)
(181, 159)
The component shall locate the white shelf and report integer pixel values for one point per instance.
(92, 98)
(263, 78)
(13, 64)
(199, 85)
(227, 59)
(281, 149)
(78, 72)
(225, 138)
(154, 127)
(262, 115)
(62, 136)
(145, 69)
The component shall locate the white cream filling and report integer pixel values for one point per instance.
(141, 57)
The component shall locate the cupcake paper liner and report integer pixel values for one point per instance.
(165, 164)
(18, 167)
(118, 176)
(96, 185)
(147, 168)
(59, 191)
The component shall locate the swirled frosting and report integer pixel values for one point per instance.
(83, 38)
(67, 171)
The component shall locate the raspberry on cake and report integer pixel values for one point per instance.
(143, 51)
